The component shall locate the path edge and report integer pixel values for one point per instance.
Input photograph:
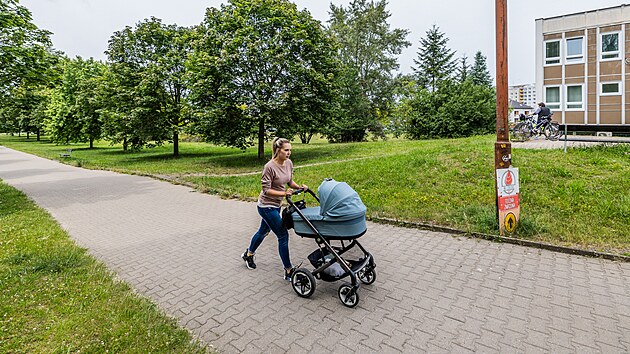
(502, 239)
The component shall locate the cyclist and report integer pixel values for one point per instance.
(544, 114)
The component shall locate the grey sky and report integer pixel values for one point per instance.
(83, 27)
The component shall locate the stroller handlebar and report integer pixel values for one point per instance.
(300, 191)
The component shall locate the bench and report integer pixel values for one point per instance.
(66, 154)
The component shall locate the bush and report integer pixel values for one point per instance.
(454, 110)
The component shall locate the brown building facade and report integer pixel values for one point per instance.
(583, 66)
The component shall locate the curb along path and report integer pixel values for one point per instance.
(433, 293)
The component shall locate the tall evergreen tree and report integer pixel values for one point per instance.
(435, 62)
(479, 73)
(463, 71)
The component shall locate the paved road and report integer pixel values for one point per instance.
(434, 292)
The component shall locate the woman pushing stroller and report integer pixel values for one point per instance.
(277, 174)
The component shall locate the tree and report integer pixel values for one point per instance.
(368, 51)
(479, 73)
(26, 57)
(463, 71)
(435, 63)
(23, 46)
(454, 110)
(148, 62)
(73, 110)
(257, 67)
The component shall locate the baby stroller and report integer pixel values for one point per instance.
(340, 217)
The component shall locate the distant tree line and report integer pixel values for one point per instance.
(251, 69)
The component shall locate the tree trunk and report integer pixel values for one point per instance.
(261, 137)
(176, 144)
(305, 138)
(38, 134)
(125, 144)
(91, 143)
(28, 135)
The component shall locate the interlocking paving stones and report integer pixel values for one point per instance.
(434, 292)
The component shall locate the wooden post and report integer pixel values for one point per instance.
(502, 147)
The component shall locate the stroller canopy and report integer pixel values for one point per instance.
(338, 200)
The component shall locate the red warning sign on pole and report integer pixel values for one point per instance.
(508, 196)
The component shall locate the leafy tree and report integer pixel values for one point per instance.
(26, 57)
(469, 110)
(147, 63)
(73, 111)
(405, 88)
(479, 73)
(258, 66)
(24, 46)
(368, 50)
(435, 64)
(454, 110)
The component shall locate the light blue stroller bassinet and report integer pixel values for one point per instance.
(340, 217)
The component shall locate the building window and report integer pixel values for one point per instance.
(611, 88)
(575, 97)
(575, 50)
(610, 45)
(552, 52)
(552, 97)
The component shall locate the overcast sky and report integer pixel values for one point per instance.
(83, 27)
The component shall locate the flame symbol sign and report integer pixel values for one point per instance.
(508, 179)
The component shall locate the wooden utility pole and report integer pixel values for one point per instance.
(502, 147)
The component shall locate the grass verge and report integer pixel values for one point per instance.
(55, 298)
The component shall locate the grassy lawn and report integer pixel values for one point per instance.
(579, 199)
(55, 298)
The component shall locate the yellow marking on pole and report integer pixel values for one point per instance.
(510, 222)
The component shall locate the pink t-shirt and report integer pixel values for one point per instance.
(274, 177)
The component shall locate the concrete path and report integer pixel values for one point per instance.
(573, 141)
(434, 292)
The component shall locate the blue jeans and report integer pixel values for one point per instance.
(271, 220)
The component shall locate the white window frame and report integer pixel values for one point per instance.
(567, 103)
(553, 105)
(601, 88)
(618, 51)
(580, 58)
(559, 57)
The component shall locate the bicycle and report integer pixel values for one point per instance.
(527, 127)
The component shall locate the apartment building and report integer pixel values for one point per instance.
(583, 64)
(525, 94)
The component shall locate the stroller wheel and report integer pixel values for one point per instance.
(303, 282)
(348, 295)
(367, 275)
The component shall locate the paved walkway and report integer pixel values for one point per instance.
(540, 142)
(434, 292)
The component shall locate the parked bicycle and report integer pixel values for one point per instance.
(528, 127)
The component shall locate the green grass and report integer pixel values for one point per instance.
(578, 199)
(55, 298)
